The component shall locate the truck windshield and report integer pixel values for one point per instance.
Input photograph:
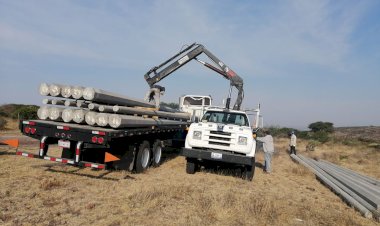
(226, 118)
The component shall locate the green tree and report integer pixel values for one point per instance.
(320, 131)
(3, 123)
(26, 112)
(319, 126)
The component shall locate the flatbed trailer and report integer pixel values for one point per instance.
(133, 149)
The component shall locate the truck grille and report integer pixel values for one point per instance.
(218, 143)
(216, 138)
(220, 133)
(219, 138)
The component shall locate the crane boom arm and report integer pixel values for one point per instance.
(186, 55)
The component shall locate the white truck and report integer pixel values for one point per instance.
(224, 136)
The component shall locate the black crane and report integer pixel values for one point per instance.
(183, 57)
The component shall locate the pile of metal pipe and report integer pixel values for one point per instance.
(360, 191)
(95, 107)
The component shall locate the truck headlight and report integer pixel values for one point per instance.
(197, 135)
(242, 140)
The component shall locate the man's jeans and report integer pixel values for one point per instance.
(293, 150)
(268, 160)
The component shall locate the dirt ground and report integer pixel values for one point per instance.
(37, 192)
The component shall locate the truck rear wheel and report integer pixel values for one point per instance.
(157, 153)
(143, 157)
(191, 166)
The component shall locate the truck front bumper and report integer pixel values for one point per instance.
(218, 155)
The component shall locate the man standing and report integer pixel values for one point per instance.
(154, 95)
(293, 142)
(268, 147)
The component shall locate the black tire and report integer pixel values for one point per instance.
(249, 171)
(143, 157)
(156, 153)
(191, 166)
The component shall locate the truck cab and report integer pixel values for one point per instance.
(222, 135)
(195, 105)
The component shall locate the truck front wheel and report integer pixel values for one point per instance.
(143, 157)
(191, 166)
(248, 173)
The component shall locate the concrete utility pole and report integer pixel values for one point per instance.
(90, 118)
(79, 115)
(149, 112)
(43, 113)
(104, 97)
(123, 121)
(323, 176)
(66, 91)
(77, 92)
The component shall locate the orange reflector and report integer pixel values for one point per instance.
(110, 158)
(12, 143)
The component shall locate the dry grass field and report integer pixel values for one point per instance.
(37, 192)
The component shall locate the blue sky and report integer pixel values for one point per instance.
(304, 61)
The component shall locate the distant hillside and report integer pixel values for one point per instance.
(362, 133)
(16, 111)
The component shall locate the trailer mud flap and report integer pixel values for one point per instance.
(127, 161)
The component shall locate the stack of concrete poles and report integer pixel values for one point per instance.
(95, 107)
(360, 191)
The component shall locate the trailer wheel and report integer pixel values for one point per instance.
(191, 166)
(143, 157)
(157, 153)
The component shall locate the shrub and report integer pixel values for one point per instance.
(281, 131)
(312, 145)
(3, 123)
(320, 136)
(25, 112)
(322, 126)
(303, 135)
